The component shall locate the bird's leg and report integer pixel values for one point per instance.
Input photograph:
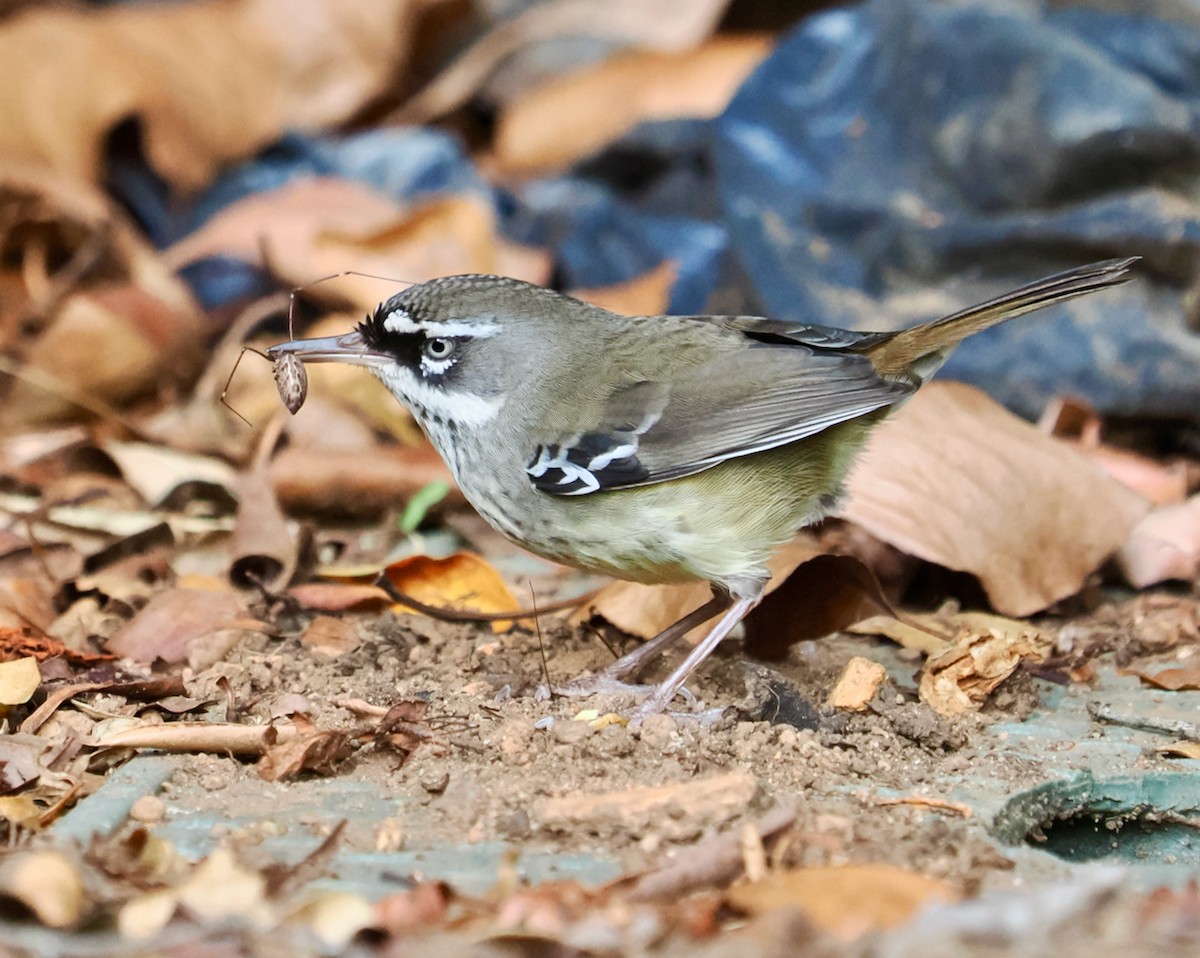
(661, 697)
(612, 678)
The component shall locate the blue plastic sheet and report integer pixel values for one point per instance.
(906, 147)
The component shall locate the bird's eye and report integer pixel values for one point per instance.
(439, 348)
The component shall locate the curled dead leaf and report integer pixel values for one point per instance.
(960, 678)
(955, 479)
(48, 883)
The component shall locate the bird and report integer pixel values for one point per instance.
(655, 449)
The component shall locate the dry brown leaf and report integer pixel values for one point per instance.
(405, 912)
(264, 552)
(1164, 545)
(575, 115)
(171, 622)
(14, 643)
(20, 811)
(210, 81)
(857, 685)
(47, 883)
(822, 595)
(339, 596)
(645, 295)
(461, 581)
(19, 679)
(1172, 680)
(955, 479)
(20, 760)
(314, 228)
(317, 752)
(670, 25)
(960, 678)
(847, 901)
(335, 917)
(1181, 749)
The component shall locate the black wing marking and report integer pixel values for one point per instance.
(587, 463)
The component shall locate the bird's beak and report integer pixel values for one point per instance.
(347, 348)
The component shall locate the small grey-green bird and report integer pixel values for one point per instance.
(656, 449)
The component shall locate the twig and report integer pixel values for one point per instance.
(922, 801)
(1189, 731)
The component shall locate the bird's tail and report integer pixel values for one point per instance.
(920, 350)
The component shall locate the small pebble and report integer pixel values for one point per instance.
(149, 810)
(571, 732)
(659, 731)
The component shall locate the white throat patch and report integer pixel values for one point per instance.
(463, 409)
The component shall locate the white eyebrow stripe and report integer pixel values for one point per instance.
(399, 321)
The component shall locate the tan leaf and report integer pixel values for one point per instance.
(210, 81)
(955, 479)
(19, 679)
(573, 116)
(264, 552)
(331, 636)
(339, 596)
(220, 889)
(847, 901)
(906, 634)
(47, 883)
(155, 471)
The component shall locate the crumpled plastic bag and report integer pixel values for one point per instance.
(902, 159)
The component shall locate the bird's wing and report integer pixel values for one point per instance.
(654, 431)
